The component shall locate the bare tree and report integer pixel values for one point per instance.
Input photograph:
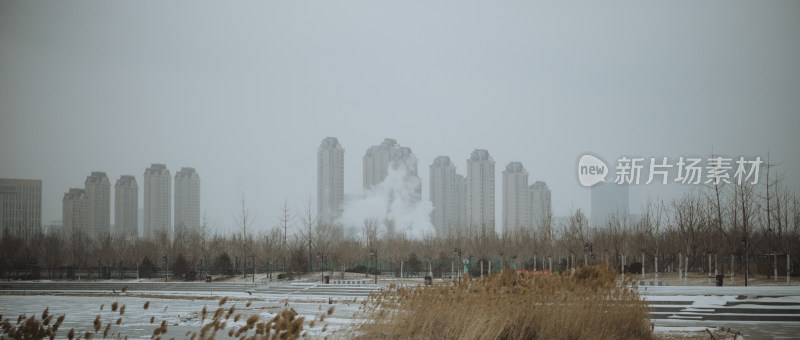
(244, 222)
(688, 217)
(370, 232)
(746, 207)
(285, 222)
(309, 222)
(655, 219)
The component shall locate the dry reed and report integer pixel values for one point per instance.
(591, 304)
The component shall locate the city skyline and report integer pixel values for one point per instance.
(523, 204)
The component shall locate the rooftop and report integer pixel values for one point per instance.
(515, 167)
(480, 155)
(442, 161)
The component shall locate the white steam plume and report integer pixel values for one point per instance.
(394, 204)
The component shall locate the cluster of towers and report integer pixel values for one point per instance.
(87, 210)
(465, 205)
(462, 205)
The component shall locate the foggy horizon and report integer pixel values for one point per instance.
(245, 94)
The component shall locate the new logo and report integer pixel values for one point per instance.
(591, 170)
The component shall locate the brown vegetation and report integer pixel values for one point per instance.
(30, 327)
(591, 304)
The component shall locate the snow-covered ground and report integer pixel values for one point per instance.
(180, 310)
(756, 312)
(764, 312)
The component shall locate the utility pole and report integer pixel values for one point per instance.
(374, 254)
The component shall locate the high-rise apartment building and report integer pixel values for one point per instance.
(157, 201)
(480, 192)
(75, 214)
(187, 199)
(516, 212)
(461, 206)
(540, 204)
(20, 206)
(98, 193)
(126, 207)
(443, 194)
(379, 158)
(330, 180)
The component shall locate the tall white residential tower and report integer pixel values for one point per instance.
(516, 212)
(330, 180)
(187, 198)
(126, 207)
(157, 201)
(480, 192)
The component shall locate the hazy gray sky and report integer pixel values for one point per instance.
(245, 91)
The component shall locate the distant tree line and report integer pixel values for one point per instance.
(707, 229)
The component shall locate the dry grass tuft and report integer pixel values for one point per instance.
(114, 306)
(97, 324)
(161, 329)
(30, 327)
(231, 310)
(591, 304)
(285, 325)
(223, 300)
(146, 305)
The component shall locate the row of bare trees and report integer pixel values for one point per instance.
(725, 221)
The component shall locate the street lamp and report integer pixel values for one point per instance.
(166, 265)
(321, 257)
(374, 254)
(269, 269)
(746, 271)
